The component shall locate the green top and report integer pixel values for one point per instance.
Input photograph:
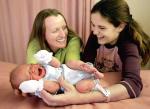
(70, 52)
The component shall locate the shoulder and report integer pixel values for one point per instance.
(33, 47)
(74, 40)
(128, 48)
(72, 35)
(34, 42)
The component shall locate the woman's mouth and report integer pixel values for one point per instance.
(61, 40)
(100, 38)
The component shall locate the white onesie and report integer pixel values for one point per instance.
(72, 76)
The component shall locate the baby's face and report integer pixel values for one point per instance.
(36, 71)
(26, 72)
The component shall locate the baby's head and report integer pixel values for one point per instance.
(25, 72)
(18, 75)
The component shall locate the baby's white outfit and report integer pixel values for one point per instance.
(72, 76)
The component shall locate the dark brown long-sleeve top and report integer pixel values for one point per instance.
(130, 61)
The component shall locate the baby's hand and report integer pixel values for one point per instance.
(55, 62)
(86, 67)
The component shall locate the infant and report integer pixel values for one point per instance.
(31, 78)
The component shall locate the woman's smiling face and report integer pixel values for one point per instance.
(104, 30)
(56, 32)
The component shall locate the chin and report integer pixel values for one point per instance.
(62, 46)
(101, 43)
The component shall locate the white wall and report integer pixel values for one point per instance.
(140, 11)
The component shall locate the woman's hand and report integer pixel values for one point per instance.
(71, 95)
(91, 69)
(86, 67)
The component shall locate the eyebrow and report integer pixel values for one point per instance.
(100, 26)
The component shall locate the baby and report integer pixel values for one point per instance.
(31, 78)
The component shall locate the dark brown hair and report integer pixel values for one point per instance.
(116, 12)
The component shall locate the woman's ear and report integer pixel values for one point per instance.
(121, 26)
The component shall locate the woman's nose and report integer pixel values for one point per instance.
(62, 33)
(95, 31)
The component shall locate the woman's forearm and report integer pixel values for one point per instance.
(117, 92)
(71, 98)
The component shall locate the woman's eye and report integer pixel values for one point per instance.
(56, 30)
(64, 27)
(102, 28)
